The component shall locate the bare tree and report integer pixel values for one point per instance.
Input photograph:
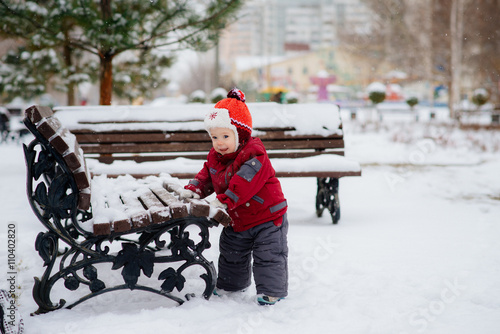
(481, 45)
(425, 41)
(457, 33)
(453, 42)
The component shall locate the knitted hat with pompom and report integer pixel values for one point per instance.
(231, 113)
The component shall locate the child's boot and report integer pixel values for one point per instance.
(268, 300)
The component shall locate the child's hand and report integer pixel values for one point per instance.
(218, 204)
(186, 193)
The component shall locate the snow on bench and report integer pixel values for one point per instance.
(142, 134)
(302, 140)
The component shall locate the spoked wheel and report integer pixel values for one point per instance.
(328, 197)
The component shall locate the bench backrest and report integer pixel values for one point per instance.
(151, 133)
(48, 129)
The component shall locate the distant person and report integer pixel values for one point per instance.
(4, 125)
(278, 97)
(239, 171)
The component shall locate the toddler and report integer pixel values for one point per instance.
(239, 171)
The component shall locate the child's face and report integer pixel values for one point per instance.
(223, 140)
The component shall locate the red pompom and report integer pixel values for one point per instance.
(237, 94)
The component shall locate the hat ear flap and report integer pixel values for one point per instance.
(219, 118)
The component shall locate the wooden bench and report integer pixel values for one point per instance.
(302, 140)
(488, 118)
(397, 110)
(118, 222)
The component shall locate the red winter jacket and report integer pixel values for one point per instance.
(244, 180)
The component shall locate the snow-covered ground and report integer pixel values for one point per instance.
(416, 251)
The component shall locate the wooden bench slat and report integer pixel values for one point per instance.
(61, 143)
(174, 137)
(222, 217)
(138, 215)
(279, 155)
(159, 212)
(319, 174)
(282, 135)
(82, 180)
(107, 159)
(84, 200)
(163, 195)
(149, 200)
(48, 126)
(74, 157)
(123, 223)
(145, 147)
(199, 208)
(142, 137)
(304, 144)
(178, 210)
(138, 120)
(205, 146)
(102, 228)
(36, 113)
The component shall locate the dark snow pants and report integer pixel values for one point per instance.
(268, 245)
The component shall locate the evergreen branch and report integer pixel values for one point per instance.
(206, 23)
(142, 44)
(207, 19)
(83, 6)
(165, 19)
(181, 39)
(177, 41)
(26, 18)
(53, 34)
(82, 45)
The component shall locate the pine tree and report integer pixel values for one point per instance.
(107, 28)
(25, 74)
(138, 76)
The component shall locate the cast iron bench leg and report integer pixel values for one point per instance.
(328, 197)
(76, 267)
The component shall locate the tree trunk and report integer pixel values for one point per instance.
(456, 31)
(106, 70)
(70, 94)
(106, 77)
(106, 9)
(427, 49)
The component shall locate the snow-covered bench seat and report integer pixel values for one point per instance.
(302, 140)
(89, 214)
(396, 110)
